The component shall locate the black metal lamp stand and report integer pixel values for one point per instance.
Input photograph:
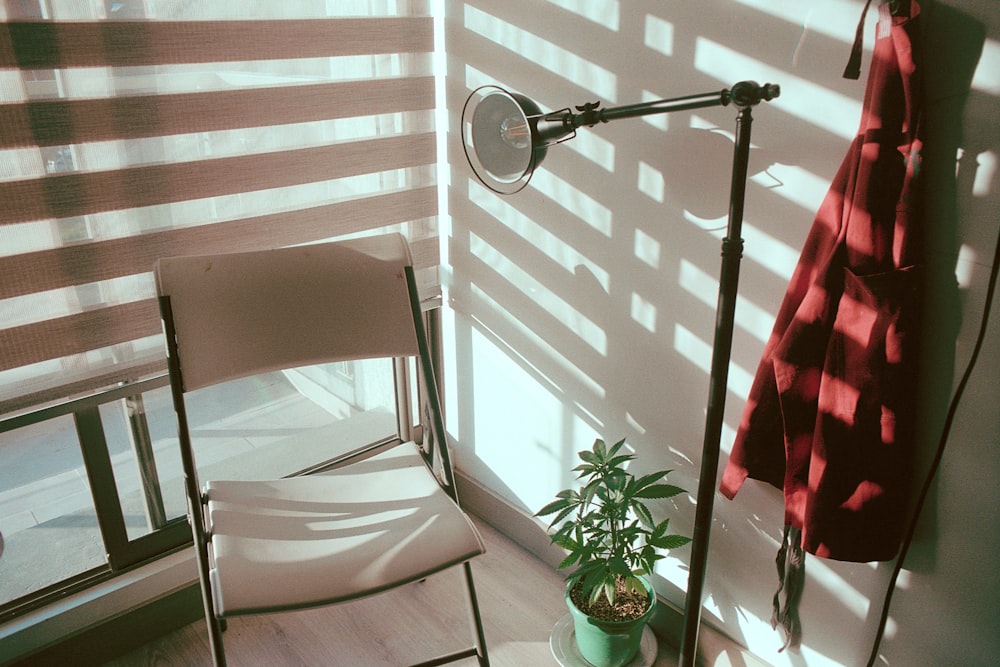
(509, 126)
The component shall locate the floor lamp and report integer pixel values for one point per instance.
(505, 136)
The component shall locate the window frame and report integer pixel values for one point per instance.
(122, 554)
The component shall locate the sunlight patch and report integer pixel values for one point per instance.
(606, 14)
(644, 313)
(699, 353)
(659, 35)
(799, 97)
(650, 182)
(531, 47)
(647, 249)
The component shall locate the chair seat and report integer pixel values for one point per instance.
(319, 539)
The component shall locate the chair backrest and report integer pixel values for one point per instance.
(240, 314)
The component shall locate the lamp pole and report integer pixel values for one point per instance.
(729, 273)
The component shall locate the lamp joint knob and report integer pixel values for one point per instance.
(590, 114)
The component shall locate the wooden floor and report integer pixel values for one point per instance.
(520, 597)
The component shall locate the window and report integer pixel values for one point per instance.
(134, 130)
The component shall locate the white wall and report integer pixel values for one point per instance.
(584, 305)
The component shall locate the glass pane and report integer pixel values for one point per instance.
(141, 434)
(281, 423)
(47, 515)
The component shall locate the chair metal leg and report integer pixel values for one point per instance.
(215, 629)
(477, 619)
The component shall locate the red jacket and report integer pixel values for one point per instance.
(830, 416)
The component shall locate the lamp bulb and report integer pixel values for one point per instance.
(515, 132)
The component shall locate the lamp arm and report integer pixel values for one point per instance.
(743, 94)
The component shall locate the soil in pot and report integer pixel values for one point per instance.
(629, 605)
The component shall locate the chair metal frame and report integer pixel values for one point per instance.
(433, 449)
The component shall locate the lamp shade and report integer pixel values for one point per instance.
(499, 138)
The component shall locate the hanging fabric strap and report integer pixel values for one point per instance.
(779, 562)
(853, 69)
(791, 565)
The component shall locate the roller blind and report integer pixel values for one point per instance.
(134, 130)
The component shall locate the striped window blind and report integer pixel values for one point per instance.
(134, 130)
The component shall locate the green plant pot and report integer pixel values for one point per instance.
(609, 643)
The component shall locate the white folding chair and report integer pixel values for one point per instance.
(388, 519)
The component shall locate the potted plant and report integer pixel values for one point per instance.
(613, 543)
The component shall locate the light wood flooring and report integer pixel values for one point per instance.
(521, 599)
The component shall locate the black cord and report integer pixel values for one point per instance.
(942, 443)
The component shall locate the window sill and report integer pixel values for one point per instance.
(77, 613)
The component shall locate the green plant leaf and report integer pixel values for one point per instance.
(569, 560)
(562, 537)
(616, 481)
(562, 515)
(589, 491)
(634, 585)
(617, 461)
(659, 491)
(646, 480)
(598, 584)
(600, 449)
(615, 447)
(670, 541)
(632, 531)
(590, 575)
(555, 506)
(642, 512)
(609, 590)
(619, 566)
